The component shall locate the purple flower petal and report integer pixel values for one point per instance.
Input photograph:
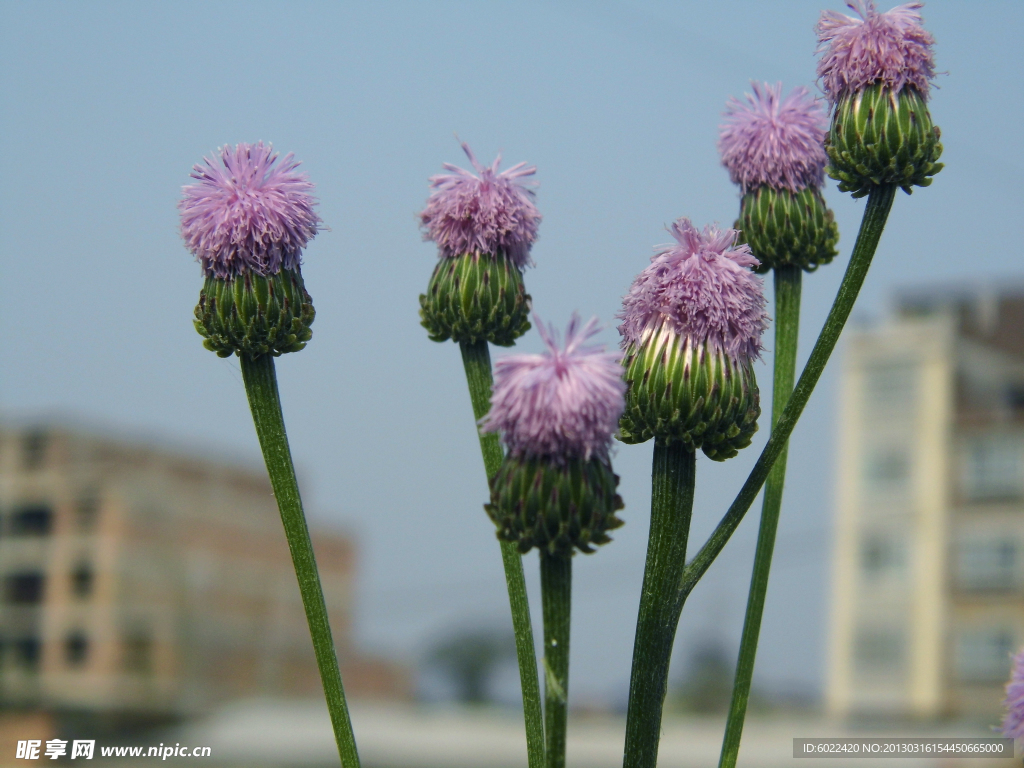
(704, 288)
(774, 141)
(562, 404)
(247, 214)
(489, 213)
(891, 47)
(1013, 720)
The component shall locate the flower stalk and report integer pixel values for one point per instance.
(476, 359)
(556, 594)
(484, 224)
(787, 325)
(555, 490)
(246, 220)
(692, 325)
(260, 380)
(673, 477)
(643, 729)
(876, 212)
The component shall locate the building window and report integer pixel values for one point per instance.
(33, 449)
(987, 564)
(24, 588)
(879, 650)
(983, 655)
(76, 649)
(82, 580)
(27, 652)
(887, 470)
(881, 556)
(138, 653)
(993, 467)
(34, 520)
(1015, 396)
(889, 388)
(87, 511)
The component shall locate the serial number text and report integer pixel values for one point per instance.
(902, 747)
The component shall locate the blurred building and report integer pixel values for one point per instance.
(928, 592)
(141, 584)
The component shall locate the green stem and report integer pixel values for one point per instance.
(787, 327)
(673, 475)
(477, 360)
(875, 214)
(265, 402)
(556, 596)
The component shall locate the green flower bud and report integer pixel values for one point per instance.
(881, 137)
(554, 507)
(476, 297)
(788, 228)
(254, 315)
(681, 391)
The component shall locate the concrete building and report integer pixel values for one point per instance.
(139, 584)
(928, 584)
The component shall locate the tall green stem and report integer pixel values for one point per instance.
(875, 214)
(673, 475)
(477, 360)
(787, 327)
(260, 380)
(556, 594)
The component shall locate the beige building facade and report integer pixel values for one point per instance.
(140, 583)
(927, 599)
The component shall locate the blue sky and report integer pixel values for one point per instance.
(107, 106)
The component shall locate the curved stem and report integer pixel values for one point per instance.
(476, 359)
(787, 327)
(673, 475)
(556, 594)
(260, 380)
(875, 214)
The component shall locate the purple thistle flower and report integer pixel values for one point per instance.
(774, 141)
(890, 47)
(247, 214)
(704, 288)
(562, 404)
(1013, 720)
(488, 213)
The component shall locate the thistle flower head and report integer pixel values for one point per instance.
(703, 288)
(775, 142)
(562, 404)
(247, 214)
(485, 213)
(1013, 721)
(891, 47)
